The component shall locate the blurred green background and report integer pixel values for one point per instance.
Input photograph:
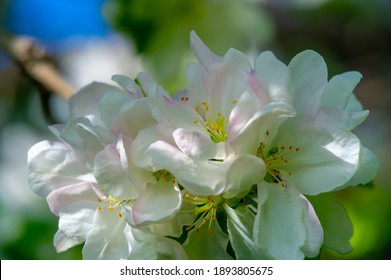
(90, 40)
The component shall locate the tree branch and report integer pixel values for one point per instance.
(35, 64)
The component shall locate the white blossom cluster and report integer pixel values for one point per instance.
(223, 169)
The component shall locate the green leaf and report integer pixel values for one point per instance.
(370, 185)
(337, 227)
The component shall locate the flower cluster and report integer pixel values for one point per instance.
(223, 169)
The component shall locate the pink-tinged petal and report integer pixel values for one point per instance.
(274, 79)
(242, 112)
(178, 113)
(86, 101)
(225, 83)
(194, 144)
(52, 165)
(257, 89)
(156, 203)
(62, 242)
(285, 226)
(309, 77)
(64, 197)
(202, 52)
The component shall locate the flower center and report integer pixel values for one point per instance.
(205, 210)
(274, 158)
(215, 125)
(111, 203)
(164, 175)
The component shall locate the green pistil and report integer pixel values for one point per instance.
(215, 126)
(205, 210)
(273, 156)
(216, 129)
(165, 175)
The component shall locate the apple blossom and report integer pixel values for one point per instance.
(236, 127)
(92, 186)
(244, 158)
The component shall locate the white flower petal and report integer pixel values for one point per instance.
(245, 109)
(207, 244)
(52, 165)
(178, 113)
(263, 126)
(135, 116)
(225, 83)
(85, 102)
(199, 176)
(128, 84)
(245, 171)
(76, 219)
(314, 231)
(88, 136)
(107, 238)
(328, 157)
(174, 226)
(204, 55)
(194, 144)
(309, 77)
(367, 169)
(169, 249)
(195, 76)
(344, 119)
(143, 244)
(157, 203)
(240, 222)
(64, 197)
(139, 149)
(282, 228)
(113, 177)
(110, 105)
(62, 242)
(149, 87)
(274, 78)
(339, 89)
